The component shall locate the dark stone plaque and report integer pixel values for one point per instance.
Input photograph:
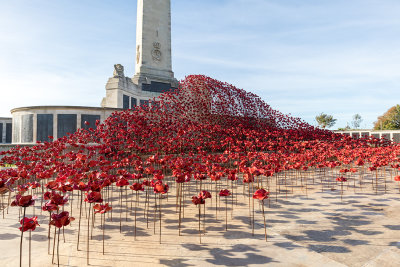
(355, 135)
(396, 137)
(44, 127)
(133, 102)
(27, 128)
(66, 124)
(1, 132)
(386, 136)
(157, 87)
(365, 134)
(91, 119)
(144, 102)
(8, 133)
(125, 102)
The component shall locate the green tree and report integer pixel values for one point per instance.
(356, 121)
(345, 128)
(325, 120)
(390, 120)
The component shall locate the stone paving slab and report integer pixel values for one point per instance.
(314, 230)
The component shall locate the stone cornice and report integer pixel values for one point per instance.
(64, 108)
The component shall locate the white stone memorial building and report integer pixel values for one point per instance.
(153, 76)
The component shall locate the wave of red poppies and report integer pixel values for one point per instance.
(206, 129)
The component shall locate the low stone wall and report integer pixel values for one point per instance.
(6, 147)
(393, 135)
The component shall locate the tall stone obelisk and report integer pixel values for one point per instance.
(153, 69)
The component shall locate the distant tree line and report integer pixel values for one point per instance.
(390, 120)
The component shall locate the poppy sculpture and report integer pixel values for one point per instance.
(59, 220)
(397, 179)
(262, 194)
(160, 189)
(225, 193)
(341, 180)
(24, 202)
(193, 132)
(28, 224)
(92, 197)
(198, 201)
(102, 210)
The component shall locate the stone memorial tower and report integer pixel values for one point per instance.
(153, 45)
(153, 69)
(153, 76)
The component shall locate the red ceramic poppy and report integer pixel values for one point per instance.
(33, 185)
(205, 194)
(146, 183)
(122, 182)
(232, 176)
(373, 168)
(102, 208)
(137, 187)
(224, 193)
(397, 178)
(261, 194)
(93, 197)
(82, 186)
(160, 188)
(23, 201)
(359, 162)
(198, 200)
(200, 176)
(56, 198)
(180, 178)
(49, 207)
(341, 179)
(62, 219)
(247, 178)
(52, 185)
(28, 224)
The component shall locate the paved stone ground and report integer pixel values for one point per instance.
(314, 230)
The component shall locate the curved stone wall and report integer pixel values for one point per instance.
(32, 124)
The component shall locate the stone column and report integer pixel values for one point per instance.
(55, 126)
(34, 128)
(78, 120)
(2, 133)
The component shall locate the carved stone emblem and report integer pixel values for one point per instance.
(137, 54)
(118, 71)
(156, 53)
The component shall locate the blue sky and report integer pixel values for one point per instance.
(302, 57)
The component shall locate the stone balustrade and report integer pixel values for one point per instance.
(393, 135)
